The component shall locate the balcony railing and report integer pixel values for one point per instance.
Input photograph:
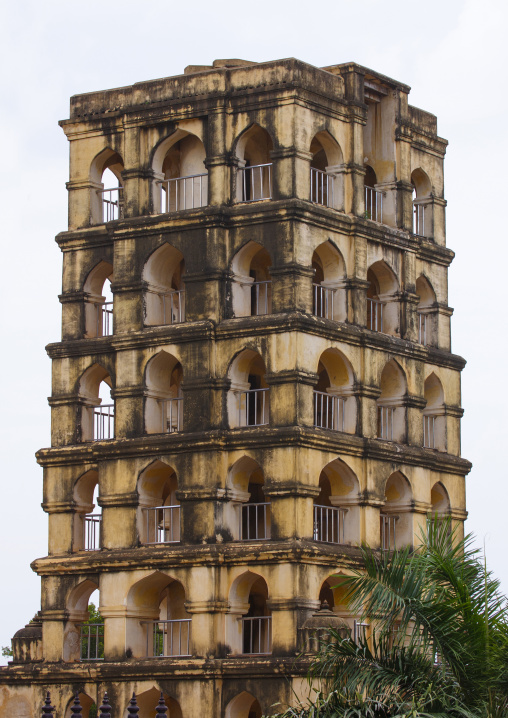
(323, 301)
(92, 642)
(171, 415)
(253, 407)
(260, 295)
(329, 524)
(422, 328)
(385, 422)
(104, 422)
(328, 411)
(168, 638)
(92, 532)
(388, 536)
(184, 193)
(321, 188)
(104, 319)
(257, 634)
(162, 524)
(419, 220)
(359, 632)
(255, 182)
(375, 314)
(172, 306)
(373, 204)
(429, 431)
(254, 524)
(111, 203)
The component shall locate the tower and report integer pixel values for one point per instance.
(270, 383)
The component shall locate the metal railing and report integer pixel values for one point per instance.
(171, 415)
(162, 524)
(184, 193)
(328, 411)
(255, 182)
(168, 638)
(375, 314)
(422, 328)
(260, 297)
(388, 536)
(257, 634)
(253, 407)
(429, 431)
(254, 522)
(104, 422)
(373, 204)
(104, 319)
(323, 301)
(359, 632)
(92, 532)
(329, 524)
(111, 203)
(385, 422)
(92, 642)
(321, 188)
(172, 306)
(419, 220)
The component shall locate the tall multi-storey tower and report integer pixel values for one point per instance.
(271, 383)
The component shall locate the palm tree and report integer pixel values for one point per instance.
(437, 643)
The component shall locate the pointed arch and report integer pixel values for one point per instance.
(396, 516)
(326, 168)
(383, 309)
(248, 396)
(440, 500)
(77, 612)
(99, 300)
(248, 512)
(335, 404)
(426, 312)
(164, 298)
(244, 705)
(97, 411)
(251, 280)
(163, 398)
(106, 202)
(434, 414)
(391, 404)
(423, 214)
(147, 703)
(178, 162)
(336, 509)
(329, 283)
(87, 516)
(254, 176)
(248, 597)
(158, 516)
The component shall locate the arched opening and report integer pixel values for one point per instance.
(337, 508)
(179, 162)
(249, 516)
(329, 286)
(334, 399)
(88, 706)
(434, 414)
(427, 312)
(163, 398)
(252, 282)
(391, 409)
(325, 184)
(254, 175)
(159, 507)
(84, 628)
(99, 301)
(396, 517)
(249, 620)
(244, 706)
(97, 406)
(248, 397)
(88, 516)
(422, 203)
(440, 502)
(148, 701)
(165, 293)
(383, 311)
(106, 174)
(158, 624)
(373, 196)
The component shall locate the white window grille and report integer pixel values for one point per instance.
(422, 328)
(168, 638)
(162, 524)
(257, 634)
(171, 415)
(104, 422)
(104, 319)
(373, 204)
(429, 431)
(388, 535)
(360, 632)
(260, 292)
(321, 188)
(419, 220)
(172, 306)
(92, 532)
(111, 203)
(385, 422)
(92, 642)
(255, 182)
(323, 301)
(375, 314)
(254, 524)
(182, 193)
(253, 407)
(328, 411)
(329, 524)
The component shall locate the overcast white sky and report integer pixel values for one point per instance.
(452, 53)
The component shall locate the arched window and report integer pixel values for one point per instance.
(159, 507)
(183, 184)
(148, 701)
(99, 301)
(88, 706)
(244, 706)
(165, 294)
(107, 201)
(434, 415)
(98, 409)
(252, 282)
(383, 309)
(250, 516)
(336, 509)
(248, 396)
(254, 176)
(391, 409)
(422, 203)
(325, 181)
(334, 399)
(427, 308)
(329, 286)
(163, 399)
(333, 594)
(88, 516)
(396, 517)
(249, 621)
(373, 196)
(84, 629)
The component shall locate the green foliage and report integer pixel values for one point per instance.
(6, 651)
(93, 614)
(92, 639)
(438, 639)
